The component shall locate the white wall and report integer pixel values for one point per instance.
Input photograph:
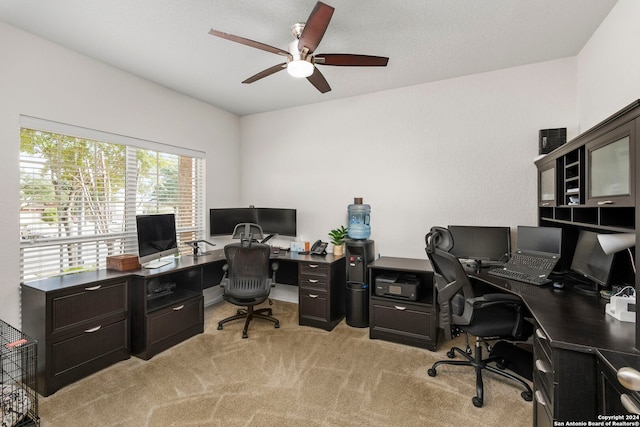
(609, 66)
(459, 151)
(41, 79)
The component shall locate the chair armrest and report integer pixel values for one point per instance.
(513, 301)
(225, 279)
(274, 267)
(446, 291)
(487, 300)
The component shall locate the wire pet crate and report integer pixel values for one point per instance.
(18, 379)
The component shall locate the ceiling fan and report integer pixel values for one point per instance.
(301, 61)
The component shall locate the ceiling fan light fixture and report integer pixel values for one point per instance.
(300, 68)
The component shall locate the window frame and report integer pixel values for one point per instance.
(188, 191)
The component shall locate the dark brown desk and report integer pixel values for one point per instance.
(87, 321)
(572, 339)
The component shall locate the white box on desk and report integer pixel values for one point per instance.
(619, 307)
(297, 247)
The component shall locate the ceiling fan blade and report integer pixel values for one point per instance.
(267, 72)
(315, 27)
(318, 80)
(248, 42)
(350, 60)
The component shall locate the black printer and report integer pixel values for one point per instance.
(400, 286)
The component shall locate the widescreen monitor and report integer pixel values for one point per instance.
(222, 221)
(481, 243)
(273, 221)
(156, 236)
(278, 221)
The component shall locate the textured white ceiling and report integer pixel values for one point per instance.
(167, 41)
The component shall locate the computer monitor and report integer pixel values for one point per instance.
(278, 221)
(156, 236)
(481, 243)
(273, 221)
(590, 261)
(539, 239)
(222, 221)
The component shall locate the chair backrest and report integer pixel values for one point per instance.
(248, 266)
(247, 232)
(452, 282)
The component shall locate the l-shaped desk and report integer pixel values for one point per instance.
(87, 321)
(577, 348)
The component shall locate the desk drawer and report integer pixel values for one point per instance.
(543, 342)
(402, 322)
(86, 304)
(313, 282)
(543, 395)
(401, 318)
(543, 366)
(314, 269)
(88, 352)
(542, 411)
(314, 307)
(172, 321)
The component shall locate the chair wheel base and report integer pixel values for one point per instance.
(451, 354)
(431, 372)
(245, 335)
(526, 395)
(277, 326)
(477, 402)
(219, 327)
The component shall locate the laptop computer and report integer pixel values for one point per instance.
(537, 253)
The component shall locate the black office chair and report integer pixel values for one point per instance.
(487, 317)
(246, 280)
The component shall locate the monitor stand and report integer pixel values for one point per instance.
(269, 237)
(586, 289)
(476, 264)
(582, 286)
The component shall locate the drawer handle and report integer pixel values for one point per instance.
(545, 204)
(180, 307)
(629, 404)
(93, 288)
(542, 367)
(540, 334)
(629, 378)
(313, 265)
(97, 328)
(605, 202)
(313, 280)
(313, 296)
(397, 307)
(540, 398)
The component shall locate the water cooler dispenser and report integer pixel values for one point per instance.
(359, 254)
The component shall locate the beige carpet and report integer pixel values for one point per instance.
(292, 376)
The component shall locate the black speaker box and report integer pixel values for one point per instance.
(550, 139)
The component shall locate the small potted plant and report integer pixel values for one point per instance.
(338, 236)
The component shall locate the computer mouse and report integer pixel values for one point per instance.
(558, 285)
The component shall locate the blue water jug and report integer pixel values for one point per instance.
(359, 216)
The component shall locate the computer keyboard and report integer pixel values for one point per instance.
(521, 277)
(151, 265)
(522, 260)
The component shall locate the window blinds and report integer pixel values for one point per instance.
(79, 196)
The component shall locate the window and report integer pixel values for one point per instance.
(80, 191)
